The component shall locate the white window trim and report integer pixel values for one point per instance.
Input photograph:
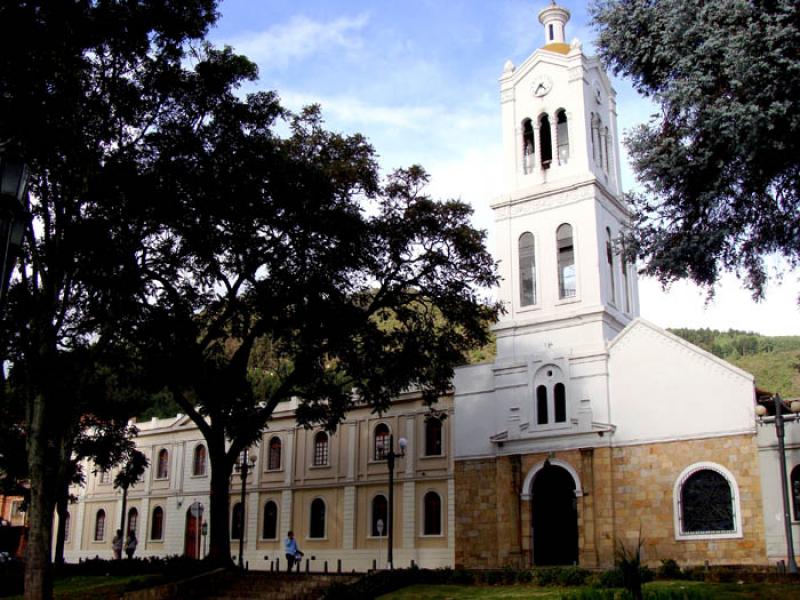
(325, 523)
(205, 463)
(314, 451)
(676, 508)
(423, 448)
(372, 459)
(550, 386)
(537, 305)
(156, 476)
(105, 526)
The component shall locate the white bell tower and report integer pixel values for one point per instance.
(564, 283)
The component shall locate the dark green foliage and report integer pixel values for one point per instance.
(720, 162)
(561, 576)
(629, 563)
(670, 569)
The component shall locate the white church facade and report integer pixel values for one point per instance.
(591, 427)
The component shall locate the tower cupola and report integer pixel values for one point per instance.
(554, 18)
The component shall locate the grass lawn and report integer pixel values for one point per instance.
(716, 591)
(96, 587)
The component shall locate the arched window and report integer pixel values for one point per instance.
(566, 262)
(380, 512)
(595, 124)
(433, 436)
(67, 520)
(237, 516)
(610, 262)
(269, 527)
(133, 521)
(162, 468)
(708, 501)
(274, 458)
(157, 524)
(199, 464)
(795, 491)
(381, 441)
(560, 397)
(433, 514)
(551, 31)
(626, 285)
(545, 142)
(320, 449)
(606, 146)
(100, 526)
(562, 134)
(528, 146)
(527, 270)
(316, 528)
(541, 405)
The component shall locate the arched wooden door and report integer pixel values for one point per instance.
(194, 524)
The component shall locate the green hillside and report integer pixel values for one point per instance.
(773, 360)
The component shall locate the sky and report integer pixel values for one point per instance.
(419, 78)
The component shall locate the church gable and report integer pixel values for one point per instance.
(664, 388)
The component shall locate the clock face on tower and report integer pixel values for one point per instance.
(542, 85)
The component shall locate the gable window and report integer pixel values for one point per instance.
(133, 521)
(381, 441)
(320, 449)
(432, 505)
(157, 524)
(545, 141)
(199, 463)
(566, 262)
(269, 527)
(380, 512)
(433, 436)
(550, 403)
(316, 527)
(162, 467)
(528, 146)
(707, 503)
(562, 135)
(237, 516)
(527, 270)
(274, 458)
(100, 526)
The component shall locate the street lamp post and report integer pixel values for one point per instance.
(243, 467)
(13, 216)
(761, 411)
(391, 455)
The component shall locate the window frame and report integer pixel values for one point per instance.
(327, 450)
(67, 525)
(376, 456)
(424, 520)
(270, 449)
(324, 536)
(159, 508)
(264, 520)
(102, 531)
(235, 521)
(533, 268)
(135, 512)
(204, 472)
(425, 424)
(372, 525)
(680, 535)
(158, 475)
(563, 297)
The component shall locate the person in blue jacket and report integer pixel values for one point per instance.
(293, 554)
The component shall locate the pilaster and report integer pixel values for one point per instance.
(349, 518)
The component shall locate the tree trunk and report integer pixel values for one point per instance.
(38, 575)
(62, 507)
(219, 550)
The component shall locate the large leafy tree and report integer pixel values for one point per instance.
(285, 268)
(80, 83)
(720, 163)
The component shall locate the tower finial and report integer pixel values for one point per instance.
(554, 18)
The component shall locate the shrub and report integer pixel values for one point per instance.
(629, 562)
(670, 569)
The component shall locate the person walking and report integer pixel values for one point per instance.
(116, 545)
(130, 546)
(293, 554)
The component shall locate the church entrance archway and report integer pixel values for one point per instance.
(194, 525)
(555, 517)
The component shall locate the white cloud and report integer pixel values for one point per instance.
(283, 45)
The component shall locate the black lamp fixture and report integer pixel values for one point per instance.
(14, 217)
(390, 455)
(243, 466)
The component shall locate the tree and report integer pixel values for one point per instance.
(76, 95)
(284, 268)
(720, 163)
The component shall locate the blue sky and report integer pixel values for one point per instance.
(419, 78)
